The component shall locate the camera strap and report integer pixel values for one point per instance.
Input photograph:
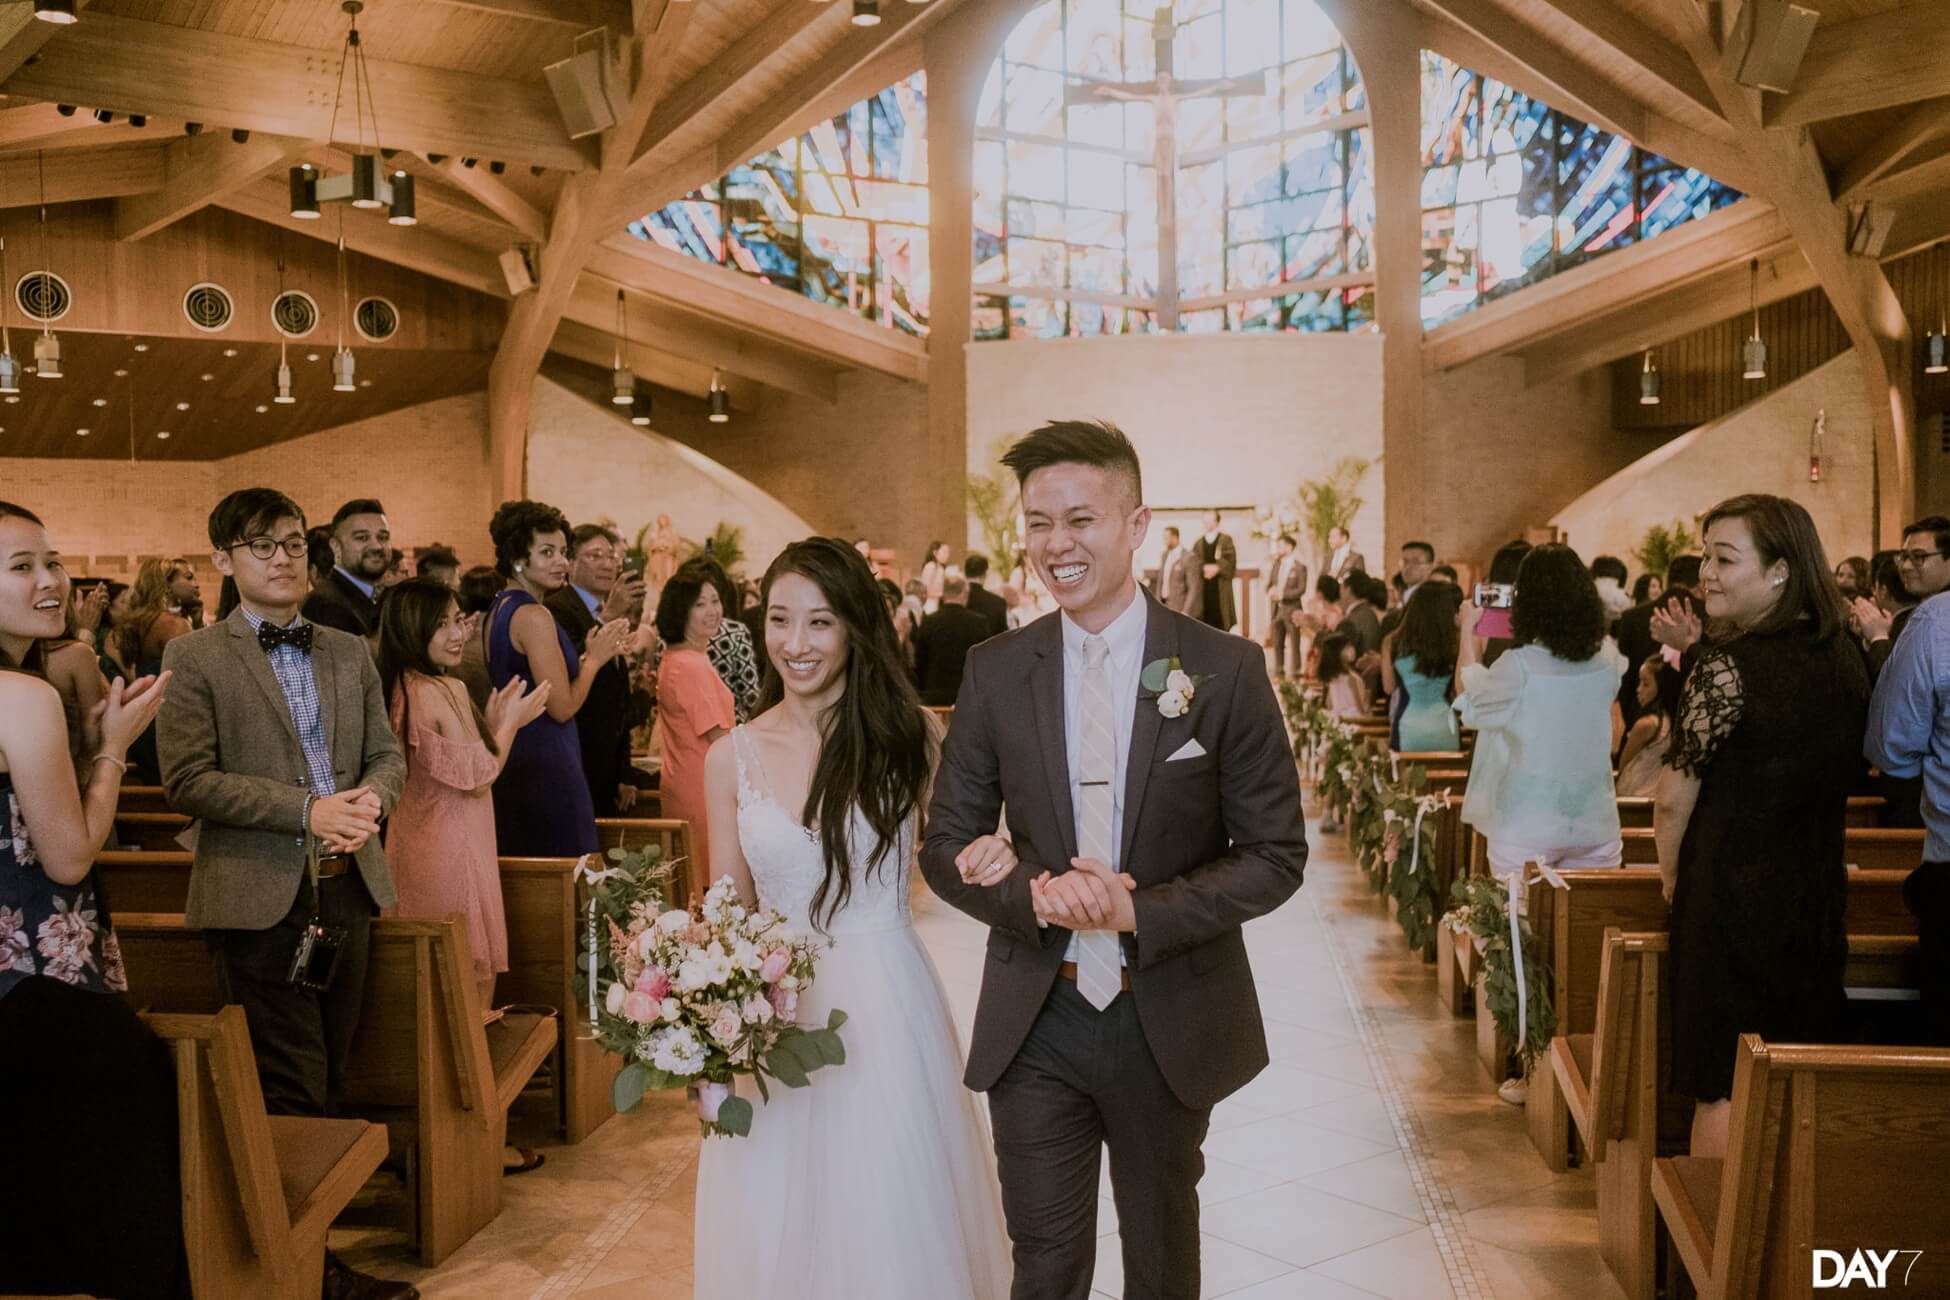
(311, 869)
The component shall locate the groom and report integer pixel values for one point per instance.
(1117, 1006)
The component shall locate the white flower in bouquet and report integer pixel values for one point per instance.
(671, 1010)
(613, 1000)
(745, 954)
(694, 975)
(675, 922)
(675, 1050)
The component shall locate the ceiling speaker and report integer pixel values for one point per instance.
(581, 86)
(376, 319)
(1768, 40)
(43, 297)
(208, 307)
(1868, 229)
(294, 313)
(518, 269)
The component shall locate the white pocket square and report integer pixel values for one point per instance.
(1190, 749)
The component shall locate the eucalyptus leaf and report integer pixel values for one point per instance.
(805, 1049)
(785, 1067)
(615, 855)
(837, 1019)
(630, 1085)
(735, 1116)
(1155, 675)
(831, 1050)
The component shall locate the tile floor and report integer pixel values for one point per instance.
(1370, 1159)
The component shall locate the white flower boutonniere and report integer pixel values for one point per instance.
(1165, 682)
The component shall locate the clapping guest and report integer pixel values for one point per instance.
(347, 597)
(1752, 804)
(1873, 614)
(693, 703)
(89, 1092)
(599, 592)
(542, 806)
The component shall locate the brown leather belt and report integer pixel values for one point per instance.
(336, 865)
(1068, 970)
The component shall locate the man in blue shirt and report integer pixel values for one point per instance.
(1909, 735)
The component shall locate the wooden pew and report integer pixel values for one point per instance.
(141, 798)
(421, 1061)
(672, 835)
(1829, 1148)
(1863, 810)
(544, 903)
(141, 880)
(150, 830)
(259, 1191)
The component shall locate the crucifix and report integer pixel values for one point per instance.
(1165, 92)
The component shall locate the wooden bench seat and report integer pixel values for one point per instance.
(672, 835)
(259, 1191)
(142, 798)
(150, 830)
(421, 1061)
(1829, 1148)
(1863, 810)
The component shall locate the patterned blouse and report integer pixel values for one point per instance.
(732, 654)
(47, 929)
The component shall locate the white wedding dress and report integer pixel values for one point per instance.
(878, 1181)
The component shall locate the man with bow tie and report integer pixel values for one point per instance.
(276, 740)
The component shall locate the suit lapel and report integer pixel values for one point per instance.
(324, 672)
(257, 666)
(1050, 721)
(1160, 642)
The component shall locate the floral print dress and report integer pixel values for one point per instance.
(60, 931)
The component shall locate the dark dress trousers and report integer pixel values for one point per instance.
(337, 603)
(608, 712)
(1213, 840)
(941, 646)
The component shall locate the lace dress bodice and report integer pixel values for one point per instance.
(787, 865)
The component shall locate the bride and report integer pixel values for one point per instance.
(878, 1181)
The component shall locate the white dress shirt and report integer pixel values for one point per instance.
(1338, 558)
(1123, 663)
(1172, 556)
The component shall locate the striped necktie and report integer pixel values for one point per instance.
(1099, 975)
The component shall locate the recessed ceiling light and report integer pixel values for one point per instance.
(365, 383)
(230, 352)
(311, 356)
(81, 433)
(13, 398)
(121, 374)
(261, 408)
(163, 434)
(206, 378)
(182, 406)
(142, 347)
(100, 401)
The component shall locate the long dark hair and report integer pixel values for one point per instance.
(1783, 530)
(1428, 634)
(35, 654)
(1329, 649)
(408, 617)
(1557, 605)
(875, 750)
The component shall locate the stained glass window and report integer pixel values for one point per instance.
(1269, 149)
(839, 214)
(1514, 191)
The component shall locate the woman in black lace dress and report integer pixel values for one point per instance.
(1751, 804)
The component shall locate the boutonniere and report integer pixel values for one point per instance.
(1167, 682)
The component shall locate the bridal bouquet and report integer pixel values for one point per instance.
(695, 998)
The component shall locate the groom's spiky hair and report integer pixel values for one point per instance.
(1077, 442)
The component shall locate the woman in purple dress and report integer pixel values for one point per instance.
(541, 800)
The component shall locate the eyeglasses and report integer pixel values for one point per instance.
(1916, 559)
(265, 547)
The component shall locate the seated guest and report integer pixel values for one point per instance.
(1753, 801)
(348, 597)
(1419, 658)
(439, 563)
(475, 595)
(942, 643)
(980, 599)
(693, 703)
(1646, 743)
(594, 595)
(95, 1206)
(542, 807)
(275, 738)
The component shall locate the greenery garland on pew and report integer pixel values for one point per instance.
(1479, 908)
(1409, 821)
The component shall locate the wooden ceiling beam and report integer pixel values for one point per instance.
(486, 189)
(43, 126)
(723, 74)
(766, 309)
(1493, 43)
(1645, 50)
(73, 177)
(128, 65)
(1703, 302)
(1795, 181)
(198, 170)
(22, 36)
(1614, 282)
(579, 14)
(1878, 61)
(1928, 123)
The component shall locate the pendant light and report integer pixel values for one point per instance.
(1815, 447)
(1649, 381)
(1755, 353)
(720, 399)
(866, 13)
(343, 366)
(47, 348)
(282, 393)
(369, 184)
(622, 383)
(1937, 362)
(60, 12)
(9, 367)
(640, 408)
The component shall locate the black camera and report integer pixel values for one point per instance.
(317, 956)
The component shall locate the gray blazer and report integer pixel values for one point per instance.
(1290, 596)
(230, 758)
(1178, 591)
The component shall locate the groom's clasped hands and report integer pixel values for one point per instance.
(1090, 896)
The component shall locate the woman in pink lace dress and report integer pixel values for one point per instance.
(440, 839)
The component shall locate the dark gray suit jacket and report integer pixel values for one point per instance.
(231, 758)
(1212, 841)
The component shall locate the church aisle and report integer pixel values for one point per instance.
(1370, 1159)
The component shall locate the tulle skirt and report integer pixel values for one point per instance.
(878, 1181)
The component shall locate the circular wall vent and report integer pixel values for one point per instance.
(208, 307)
(294, 313)
(376, 319)
(43, 296)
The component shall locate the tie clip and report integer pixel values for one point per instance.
(1090, 783)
